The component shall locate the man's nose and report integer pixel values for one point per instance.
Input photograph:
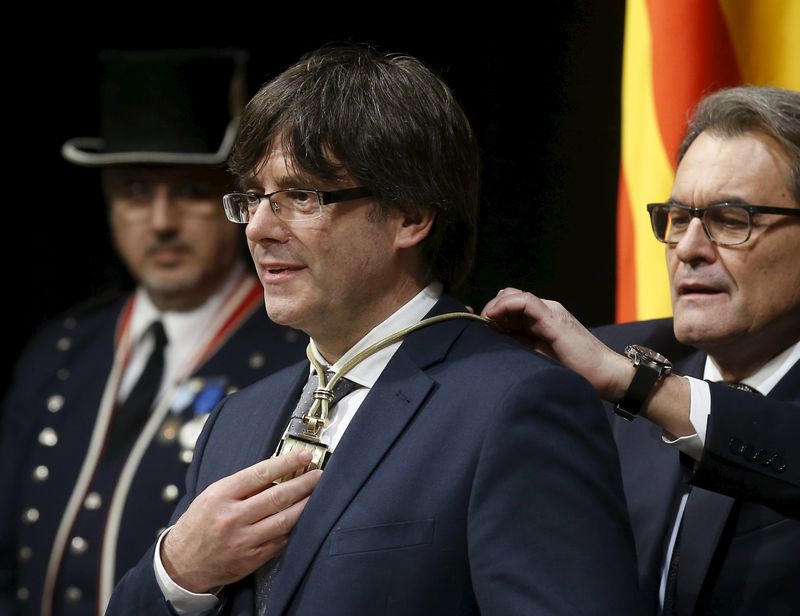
(695, 243)
(265, 225)
(165, 212)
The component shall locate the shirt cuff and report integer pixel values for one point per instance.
(183, 601)
(699, 410)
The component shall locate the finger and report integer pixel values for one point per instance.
(279, 497)
(516, 303)
(278, 525)
(260, 476)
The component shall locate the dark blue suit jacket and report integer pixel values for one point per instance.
(58, 386)
(740, 549)
(477, 477)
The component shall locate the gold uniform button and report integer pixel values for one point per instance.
(40, 473)
(25, 553)
(170, 493)
(63, 374)
(48, 437)
(291, 336)
(30, 515)
(93, 501)
(23, 593)
(78, 546)
(256, 360)
(186, 456)
(55, 403)
(73, 594)
(63, 344)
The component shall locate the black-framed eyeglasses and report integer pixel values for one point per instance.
(726, 224)
(289, 204)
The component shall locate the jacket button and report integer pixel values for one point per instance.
(256, 361)
(78, 546)
(63, 344)
(55, 403)
(170, 493)
(63, 374)
(30, 515)
(736, 446)
(23, 593)
(73, 594)
(48, 437)
(25, 553)
(777, 464)
(93, 501)
(40, 473)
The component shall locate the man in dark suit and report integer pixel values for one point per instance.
(93, 454)
(466, 474)
(728, 544)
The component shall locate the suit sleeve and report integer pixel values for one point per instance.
(547, 510)
(751, 449)
(138, 591)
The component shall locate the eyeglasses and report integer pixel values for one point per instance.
(726, 224)
(289, 204)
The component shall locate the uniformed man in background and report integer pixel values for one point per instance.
(101, 420)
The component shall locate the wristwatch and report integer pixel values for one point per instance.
(651, 368)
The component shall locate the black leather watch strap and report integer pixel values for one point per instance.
(650, 368)
(644, 379)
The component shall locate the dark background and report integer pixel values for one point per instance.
(542, 95)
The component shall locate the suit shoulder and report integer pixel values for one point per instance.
(502, 355)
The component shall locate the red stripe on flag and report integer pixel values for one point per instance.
(692, 56)
(626, 261)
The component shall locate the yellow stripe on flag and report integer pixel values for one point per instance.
(766, 39)
(646, 165)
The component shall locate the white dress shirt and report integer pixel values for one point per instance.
(181, 329)
(365, 373)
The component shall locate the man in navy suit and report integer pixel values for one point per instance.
(89, 478)
(466, 474)
(731, 226)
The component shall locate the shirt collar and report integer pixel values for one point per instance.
(366, 372)
(767, 376)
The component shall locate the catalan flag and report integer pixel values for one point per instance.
(676, 52)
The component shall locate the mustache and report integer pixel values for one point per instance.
(168, 243)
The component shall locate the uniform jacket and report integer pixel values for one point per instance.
(476, 477)
(740, 545)
(49, 417)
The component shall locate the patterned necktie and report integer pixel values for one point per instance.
(265, 574)
(691, 509)
(132, 414)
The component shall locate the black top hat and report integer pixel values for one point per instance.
(165, 107)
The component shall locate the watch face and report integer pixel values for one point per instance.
(637, 351)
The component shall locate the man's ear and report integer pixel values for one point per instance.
(414, 227)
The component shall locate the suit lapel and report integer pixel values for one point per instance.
(397, 396)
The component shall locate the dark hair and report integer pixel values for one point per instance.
(734, 111)
(391, 124)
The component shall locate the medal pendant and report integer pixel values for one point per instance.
(319, 453)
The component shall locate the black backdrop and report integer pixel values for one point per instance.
(542, 94)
